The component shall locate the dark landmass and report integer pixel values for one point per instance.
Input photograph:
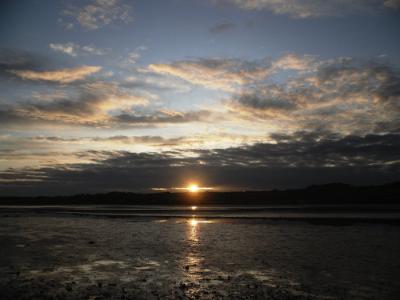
(332, 194)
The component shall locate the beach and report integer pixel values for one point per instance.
(148, 253)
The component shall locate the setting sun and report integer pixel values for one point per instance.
(193, 188)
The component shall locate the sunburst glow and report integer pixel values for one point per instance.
(193, 188)
(193, 222)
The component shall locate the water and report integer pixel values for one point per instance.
(84, 252)
(367, 212)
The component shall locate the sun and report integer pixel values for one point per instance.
(193, 188)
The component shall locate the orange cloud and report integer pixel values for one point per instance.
(224, 74)
(61, 76)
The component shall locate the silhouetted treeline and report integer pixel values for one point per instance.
(335, 193)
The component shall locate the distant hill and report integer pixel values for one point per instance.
(334, 193)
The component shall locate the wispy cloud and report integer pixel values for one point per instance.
(162, 117)
(132, 57)
(75, 50)
(61, 76)
(97, 14)
(313, 8)
(212, 73)
(293, 62)
(230, 74)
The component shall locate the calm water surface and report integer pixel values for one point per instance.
(204, 252)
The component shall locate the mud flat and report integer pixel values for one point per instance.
(83, 257)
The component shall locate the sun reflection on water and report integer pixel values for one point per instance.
(194, 222)
(193, 231)
(194, 256)
(193, 260)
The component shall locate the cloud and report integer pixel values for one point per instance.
(132, 57)
(312, 149)
(150, 81)
(49, 95)
(16, 59)
(293, 62)
(97, 14)
(68, 48)
(74, 50)
(95, 112)
(96, 104)
(163, 117)
(60, 76)
(9, 118)
(341, 95)
(123, 139)
(395, 4)
(21, 151)
(88, 104)
(285, 94)
(293, 160)
(269, 98)
(313, 8)
(222, 27)
(230, 74)
(13, 57)
(214, 73)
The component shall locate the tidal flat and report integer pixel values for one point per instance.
(56, 255)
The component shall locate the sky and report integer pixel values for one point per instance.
(118, 95)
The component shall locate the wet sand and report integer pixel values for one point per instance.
(51, 256)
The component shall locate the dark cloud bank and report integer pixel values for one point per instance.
(293, 161)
